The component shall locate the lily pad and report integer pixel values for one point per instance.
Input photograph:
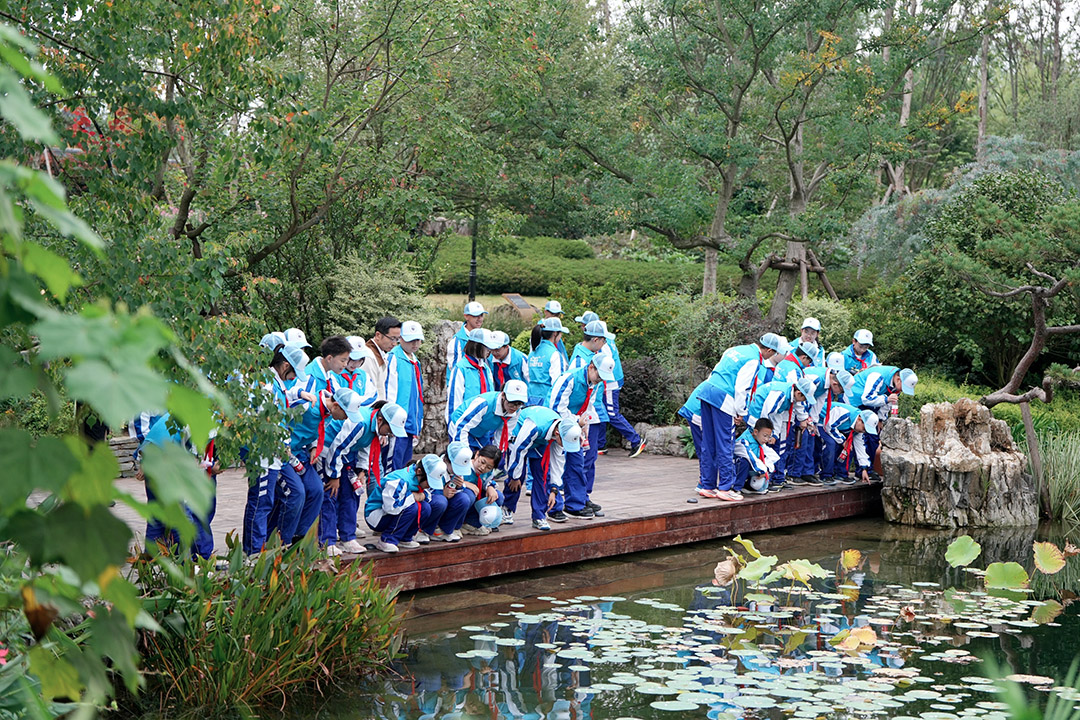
(1006, 575)
(962, 551)
(1048, 557)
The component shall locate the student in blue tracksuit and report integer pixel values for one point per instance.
(877, 388)
(829, 388)
(540, 441)
(552, 309)
(405, 387)
(345, 466)
(508, 363)
(810, 333)
(546, 363)
(302, 502)
(472, 475)
(474, 320)
(472, 374)
(843, 427)
(398, 506)
(160, 434)
(755, 459)
(611, 399)
(786, 405)
(353, 376)
(724, 398)
(795, 363)
(691, 411)
(287, 364)
(490, 417)
(858, 356)
(324, 372)
(578, 395)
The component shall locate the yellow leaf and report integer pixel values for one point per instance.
(849, 559)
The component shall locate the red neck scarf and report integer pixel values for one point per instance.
(210, 457)
(374, 460)
(761, 456)
(501, 370)
(324, 412)
(588, 396)
(545, 465)
(349, 378)
(480, 369)
(419, 379)
(848, 444)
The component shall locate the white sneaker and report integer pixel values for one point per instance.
(473, 530)
(386, 547)
(422, 537)
(361, 529)
(508, 518)
(408, 544)
(334, 551)
(541, 524)
(352, 546)
(454, 536)
(440, 535)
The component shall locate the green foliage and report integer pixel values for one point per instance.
(962, 551)
(1006, 575)
(649, 393)
(537, 265)
(361, 292)
(234, 639)
(68, 548)
(1060, 453)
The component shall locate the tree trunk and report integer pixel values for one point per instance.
(1055, 58)
(905, 114)
(984, 89)
(785, 285)
(708, 283)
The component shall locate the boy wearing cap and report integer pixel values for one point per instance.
(539, 444)
(786, 405)
(301, 502)
(345, 466)
(470, 479)
(611, 400)
(387, 335)
(830, 386)
(405, 387)
(508, 363)
(474, 319)
(553, 309)
(472, 375)
(810, 333)
(877, 388)
(546, 363)
(324, 372)
(724, 397)
(845, 430)
(575, 395)
(355, 378)
(489, 417)
(755, 460)
(401, 504)
(858, 356)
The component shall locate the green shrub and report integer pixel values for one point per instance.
(521, 341)
(648, 393)
(362, 291)
(233, 640)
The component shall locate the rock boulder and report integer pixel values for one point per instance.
(662, 439)
(958, 467)
(433, 367)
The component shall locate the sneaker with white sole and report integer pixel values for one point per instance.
(334, 551)
(638, 449)
(453, 537)
(408, 544)
(386, 547)
(352, 546)
(422, 537)
(440, 535)
(474, 530)
(541, 524)
(508, 518)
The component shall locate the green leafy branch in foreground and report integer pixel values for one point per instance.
(67, 615)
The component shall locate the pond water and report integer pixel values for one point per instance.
(901, 634)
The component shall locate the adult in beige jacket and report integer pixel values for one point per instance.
(387, 335)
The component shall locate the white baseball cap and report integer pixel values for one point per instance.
(554, 307)
(436, 472)
(807, 386)
(554, 324)
(843, 377)
(516, 391)
(597, 329)
(773, 341)
(835, 361)
(908, 380)
(350, 402)
(474, 308)
(485, 338)
(357, 344)
(570, 432)
(395, 416)
(870, 421)
(812, 323)
(809, 348)
(587, 317)
(865, 337)
(605, 365)
(272, 341)
(460, 455)
(296, 357)
(500, 337)
(296, 336)
(411, 330)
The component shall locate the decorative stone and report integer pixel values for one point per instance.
(957, 468)
(662, 439)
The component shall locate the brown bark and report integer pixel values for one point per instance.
(708, 284)
(785, 284)
(984, 89)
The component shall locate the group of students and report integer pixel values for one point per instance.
(533, 424)
(810, 418)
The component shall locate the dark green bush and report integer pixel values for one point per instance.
(648, 393)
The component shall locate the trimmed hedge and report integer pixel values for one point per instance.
(535, 264)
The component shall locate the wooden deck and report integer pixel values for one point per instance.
(645, 506)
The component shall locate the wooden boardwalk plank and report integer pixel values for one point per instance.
(645, 505)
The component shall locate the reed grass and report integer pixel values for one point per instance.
(232, 640)
(1060, 453)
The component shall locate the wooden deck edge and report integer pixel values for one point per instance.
(493, 556)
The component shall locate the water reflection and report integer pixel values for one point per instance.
(897, 636)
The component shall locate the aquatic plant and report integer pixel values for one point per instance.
(234, 638)
(1060, 453)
